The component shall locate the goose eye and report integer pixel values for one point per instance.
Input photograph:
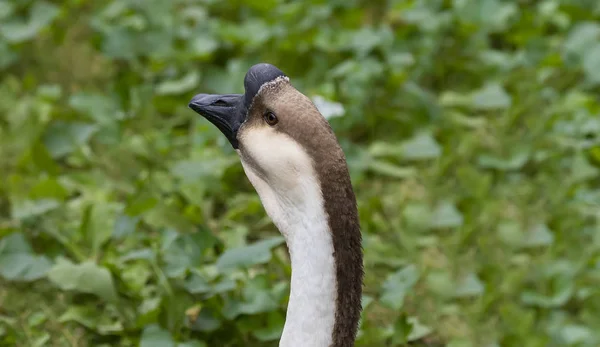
(271, 118)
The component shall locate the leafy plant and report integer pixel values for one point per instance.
(471, 128)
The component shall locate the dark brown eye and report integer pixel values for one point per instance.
(271, 118)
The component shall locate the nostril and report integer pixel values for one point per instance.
(219, 102)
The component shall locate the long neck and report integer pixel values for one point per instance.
(311, 311)
(299, 214)
(324, 304)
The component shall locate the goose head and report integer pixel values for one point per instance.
(277, 131)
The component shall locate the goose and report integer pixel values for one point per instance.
(292, 158)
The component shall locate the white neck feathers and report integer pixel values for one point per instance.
(292, 198)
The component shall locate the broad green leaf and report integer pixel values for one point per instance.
(328, 109)
(41, 14)
(581, 38)
(18, 262)
(514, 162)
(124, 226)
(561, 296)
(575, 334)
(397, 286)
(469, 286)
(392, 170)
(62, 138)
(7, 55)
(510, 232)
(203, 45)
(179, 86)
(258, 297)
(256, 253)
(417, 215)
(196, 284)
(582, 170)
(207, 321)
(446, 215)
(538, 236)
(86, 277)
(155, 336)
(87, 316)
(144, 254)
(31, 208)
(136, 276)
(184, 251)
(591, 64)
(6, 8)
(418, 330)
(273, 329)
(192, 171)
(194, 343)
(100, 108)
(421, 146)
(492, 96)
(148, 311)
(97, 224)
(48, 188)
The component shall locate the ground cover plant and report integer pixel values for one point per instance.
(471, 128)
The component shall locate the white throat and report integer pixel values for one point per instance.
(294, 202)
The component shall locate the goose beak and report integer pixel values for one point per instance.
(225, 111)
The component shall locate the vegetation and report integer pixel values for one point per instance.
(471, 127)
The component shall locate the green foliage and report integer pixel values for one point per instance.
(471, 128)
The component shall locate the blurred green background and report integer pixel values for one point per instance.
(472, 131)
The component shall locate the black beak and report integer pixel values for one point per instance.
(227, 112)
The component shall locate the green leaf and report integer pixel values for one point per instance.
(417, 215)
(192, 171)
(273, 329)
(203, 45)
(392, 170)
(397, 285)
(179, 86)
(557, 299)
(591, 64)
(581, 38)
(196, 284)
(207, 321)
(7, 55)
(97, 224)
(124, 226)
(538, 236)
(418, 330)
(41, 14)
(515, 162)
(62, 138)
(492, 96)
(184, 251)
(328, 109)
(194, 343)
(582, 170)
(6, 9)
(154, 336)
(510, 232)
(100, 108)
(88, 316)
(86, 277)
(258, 297)
(470, 285)
(576, 334)
(257, 253)
(31, 208)
(446, 215)
(421, 146)
(18, 262)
